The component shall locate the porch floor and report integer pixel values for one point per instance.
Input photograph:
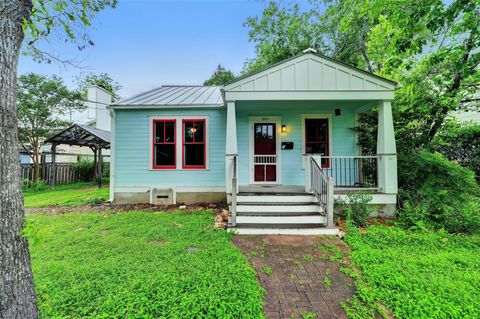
(293, 189)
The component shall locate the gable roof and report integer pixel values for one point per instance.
(176, 95)
(82, 135)
(310, 71)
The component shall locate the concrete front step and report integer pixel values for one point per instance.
(260, 208)
(280, 220)
(277, 199)
(246, 230)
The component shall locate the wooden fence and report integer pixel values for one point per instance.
(65, 172)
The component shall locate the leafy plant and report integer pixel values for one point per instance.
(267, 270)
(435, 192)
(357, 207)
(327, 282)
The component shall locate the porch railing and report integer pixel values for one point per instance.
(321, 186)
(352, 171)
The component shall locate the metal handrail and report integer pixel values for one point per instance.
(322, 188)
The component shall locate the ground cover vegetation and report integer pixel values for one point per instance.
(75, 194)
(413, 274)
(139, 265)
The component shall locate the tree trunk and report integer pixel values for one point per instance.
(36, 161)
(17, 296)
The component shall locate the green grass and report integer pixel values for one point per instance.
(139, 265)
(66, 195)
(415, 275)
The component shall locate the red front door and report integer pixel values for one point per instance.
(265, 152)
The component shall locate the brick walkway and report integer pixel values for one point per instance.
(300, 274)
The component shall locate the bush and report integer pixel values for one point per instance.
(37, 186)
(435, 192)
(357, 207)
(85, 170)
(460, 142)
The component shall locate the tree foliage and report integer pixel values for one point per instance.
(61, 20)
(41, 100)
(102, 80)
(460, 143)
(430, 47)
(221, 76)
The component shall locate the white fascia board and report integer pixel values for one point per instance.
(308, 95)
(129, 107)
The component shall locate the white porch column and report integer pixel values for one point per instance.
(231, 145)
(386, 149)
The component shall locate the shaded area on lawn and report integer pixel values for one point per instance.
(415, 274)
(139, 265)
(66, 195)
(301, 274)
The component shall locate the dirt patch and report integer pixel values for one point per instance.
(59, 210)
(160, 242)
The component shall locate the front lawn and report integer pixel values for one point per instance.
(139, 265)
(66, 195)
(416, 274)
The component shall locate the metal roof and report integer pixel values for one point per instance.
(82, 135)
(176, 95)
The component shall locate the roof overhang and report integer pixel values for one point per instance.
(167, 107)
(335, 95)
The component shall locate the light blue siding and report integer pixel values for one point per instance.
(133, 147)
(132, 142)
(343, 141)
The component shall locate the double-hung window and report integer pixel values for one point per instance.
(164, 144)
(317, 138)
(194, 145)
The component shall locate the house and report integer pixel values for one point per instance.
(279, 145)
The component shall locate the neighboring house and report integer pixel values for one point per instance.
(95, 115)
(282, 139)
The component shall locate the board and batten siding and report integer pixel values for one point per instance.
(133, 150)
(290, 112)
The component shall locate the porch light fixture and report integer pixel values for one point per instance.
(338, 112)
(284, 129)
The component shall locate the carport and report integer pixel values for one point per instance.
(80, 135)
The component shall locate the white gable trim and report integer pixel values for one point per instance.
(310, 72)
(308, 95)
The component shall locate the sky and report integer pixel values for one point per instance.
(144, 44)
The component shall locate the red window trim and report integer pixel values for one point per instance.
(174, 166)
(320, 142)
(204, 166)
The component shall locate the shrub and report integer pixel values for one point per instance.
(437, 193)
(85, 170)
(357, 207)
(37, 186)
(460, 142)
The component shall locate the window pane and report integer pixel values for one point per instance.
(322, 130)
(199, 131)
(194, 155)
(317, 148)
(159, 130)
(188, 127)
(169, 132)
(165, 155)
(310, 131)
(316, 130)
